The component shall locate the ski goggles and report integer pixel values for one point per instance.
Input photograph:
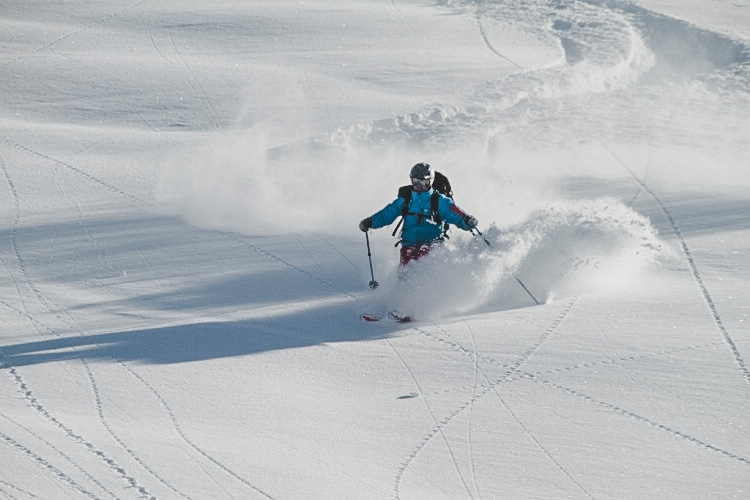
(421, 184)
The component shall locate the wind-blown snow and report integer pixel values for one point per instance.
(182, 272)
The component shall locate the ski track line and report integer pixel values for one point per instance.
(543, 338)
(90, 70)
(63, 455)
(59, 39)
(38, 326)
(34, 403)
(100, 252)
(526, 430)
(13, 242)
(536, 441)
(201, 94)
(476, 371)
(173, 419)
(42, 300)
(438, 429)
(625, 368)
(608, 361)
(309, 254)
(266, 253)
(338, 251)
(21, 384)
(404, 18)
(44, 464)
(639, 418)
(74, 325)
(539, 377)
(520, 423)
(183, 435)
(713, 310)
(439, 425)
(478, 17)
(110, 187)
(100, 412)
(7, 486)
(191, 79)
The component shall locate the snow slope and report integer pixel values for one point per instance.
(181, 272)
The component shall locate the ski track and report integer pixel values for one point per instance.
(539, 445)
(640, 418)
(709, 302)
(5, 488)
(476, 371)
(35, 404)
(109, 187)
(478, 17)
(51, 308)
(44, 464)
(50, 44)
(42, 300)
(514, 373)
(201, 94)
(71, 323)
(520, 423)
(62, 454)
(439, 425)
(255, 248)
(172, 418)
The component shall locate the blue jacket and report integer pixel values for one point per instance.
(419, 228)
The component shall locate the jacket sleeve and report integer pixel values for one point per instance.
(388, 214)
(452, 214)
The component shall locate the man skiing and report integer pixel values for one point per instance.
(423, 217)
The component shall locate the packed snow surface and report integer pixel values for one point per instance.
(182, 274)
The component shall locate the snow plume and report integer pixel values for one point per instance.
(569, 248)
(245, 182)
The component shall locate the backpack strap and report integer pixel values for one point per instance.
(434, 209)
(405, 193)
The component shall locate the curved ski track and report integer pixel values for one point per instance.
(48, 306)
(70, 322)
(74, 326)
(42, 300)
(700, 283)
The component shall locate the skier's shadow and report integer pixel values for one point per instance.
(200, 341)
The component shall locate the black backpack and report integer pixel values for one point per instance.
(441, 185)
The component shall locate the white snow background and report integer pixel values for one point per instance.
(181, 272)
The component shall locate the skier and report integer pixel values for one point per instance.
(424, 216)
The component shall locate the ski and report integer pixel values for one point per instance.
(399, 317)
(396, 316)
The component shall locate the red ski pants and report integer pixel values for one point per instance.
(409, 254)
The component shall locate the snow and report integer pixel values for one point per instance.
(182, 274)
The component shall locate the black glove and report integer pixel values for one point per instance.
(471, 221)
(365, 224)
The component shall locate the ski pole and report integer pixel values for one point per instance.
(373, 284)
(514, 276)
(480, 234)
(527, 290)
